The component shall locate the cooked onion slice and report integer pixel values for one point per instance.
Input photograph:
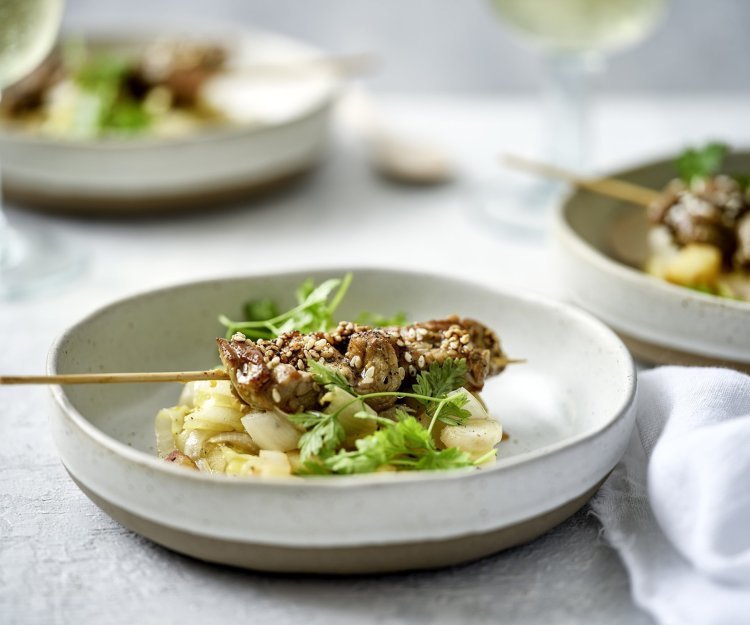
(271, 431)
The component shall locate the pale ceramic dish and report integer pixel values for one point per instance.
(602, 245)
(283, 136)
(568, 411)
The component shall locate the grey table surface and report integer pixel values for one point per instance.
(64, 561)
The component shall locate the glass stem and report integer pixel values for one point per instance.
(567, 98)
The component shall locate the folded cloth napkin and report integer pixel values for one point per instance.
(677, 507)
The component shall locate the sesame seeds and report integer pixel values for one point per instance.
(364, 356)
(369, 375)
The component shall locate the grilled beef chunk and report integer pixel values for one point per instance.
(708, 211)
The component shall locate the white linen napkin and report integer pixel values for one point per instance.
(677, 507)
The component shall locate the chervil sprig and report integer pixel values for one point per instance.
(437, 382)
(328, 376)
(313, 312)
(698, 163)
(403, 443)
(438, 385)
(324, 433)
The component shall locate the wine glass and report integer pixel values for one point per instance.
(574, 36)
(28, 260)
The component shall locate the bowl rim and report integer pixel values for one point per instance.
(570, 236)
(12, 134)
(617, 349)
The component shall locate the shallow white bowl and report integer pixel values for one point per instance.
(568, 411)
(602, 244)
(286, 137)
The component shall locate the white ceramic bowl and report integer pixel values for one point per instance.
(602, 243)
(286, 137)
(568, 411)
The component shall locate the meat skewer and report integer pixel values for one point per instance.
(370, 359)
(716, 212)
(273, 374)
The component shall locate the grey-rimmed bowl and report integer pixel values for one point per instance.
(568, 412)
(602, 245)
(144, 173)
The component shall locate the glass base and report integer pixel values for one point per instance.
(32, 262)
(517, 208)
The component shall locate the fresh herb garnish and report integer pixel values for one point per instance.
(404, 444)
(743, 180)
(324, 433)
(697, 164)
(434, 390)
(328, 376)
(313, 312)
(438, 381)
(375, 320)
(106, 105)
(260, 310)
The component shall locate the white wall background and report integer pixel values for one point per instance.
(703, 46)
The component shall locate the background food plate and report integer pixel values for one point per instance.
(568, 412)
(283, 137)
(602, 245)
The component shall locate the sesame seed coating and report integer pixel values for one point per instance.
(273, 374)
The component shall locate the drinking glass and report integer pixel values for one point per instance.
(574, 36)
(28, 260)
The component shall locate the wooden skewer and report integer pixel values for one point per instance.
(132, 378)
(612, 187)
(116, 378)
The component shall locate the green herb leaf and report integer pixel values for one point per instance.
(107, 105)
(404, 443)
(696, 164)
(443, 459)
(327, 376)
(439, 380)
(313, 312)
(326, 434)
(452, 410)
(375, 320)
(743, 180)
(260, 310)
(100, 72)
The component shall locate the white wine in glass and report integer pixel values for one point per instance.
(28, 260)
(28, 29)
(574, 36)
(581, 26)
